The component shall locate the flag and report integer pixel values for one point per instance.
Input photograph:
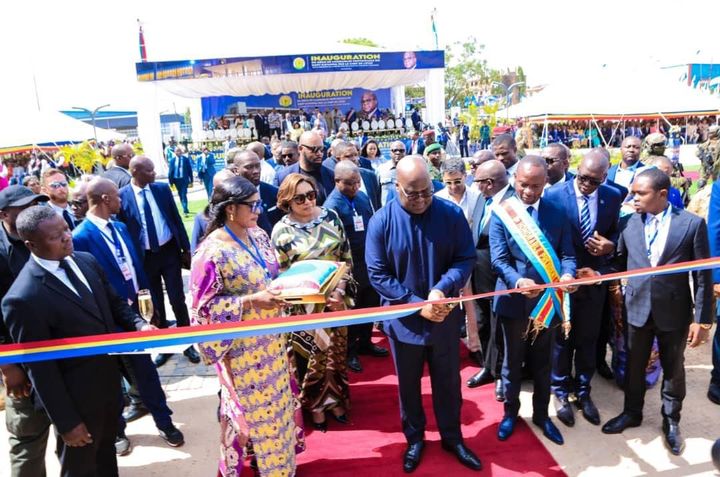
(434, 28)
(141, 40)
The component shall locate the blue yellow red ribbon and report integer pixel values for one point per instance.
(141, 340)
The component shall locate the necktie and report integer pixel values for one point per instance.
(531, 211)
(68, 219)
(86, 296)
(120, 257)
(652, 225)
(486, 214)
(178, 169)
(150, 224)
(585, 223)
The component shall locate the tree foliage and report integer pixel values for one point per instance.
(360, 41)
(465, 64)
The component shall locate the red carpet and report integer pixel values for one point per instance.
(373, 444)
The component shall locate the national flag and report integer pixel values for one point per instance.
(141, 40)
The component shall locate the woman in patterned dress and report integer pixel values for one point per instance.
(230, 272)
(310, 232)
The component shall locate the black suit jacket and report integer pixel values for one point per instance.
(13, 256)
(38, 307)
(484, 277)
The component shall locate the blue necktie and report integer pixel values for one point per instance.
(69, 219)
(120, 255)
(531, 211)
(486, 214)
(178, 169)
(150, 224)
(585, 223)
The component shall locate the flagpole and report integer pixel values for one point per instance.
(433, 14)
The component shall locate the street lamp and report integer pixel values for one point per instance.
(92, 116)
(507, 90)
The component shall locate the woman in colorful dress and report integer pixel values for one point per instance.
(309, 232)
(230, 272)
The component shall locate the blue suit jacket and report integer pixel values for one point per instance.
(327, 177)
(714, 226)
(510, 262)
(187, 172)
(370, 180)
(271, 214)
(130, 215)
(206, 168)
(88, 238)
(608, 213)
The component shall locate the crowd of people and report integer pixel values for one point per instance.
(416, 227)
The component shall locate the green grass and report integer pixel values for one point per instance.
(195, 207)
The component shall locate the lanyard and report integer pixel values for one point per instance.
(351, 203)
(115, 240)
(257, 257)
(651, 240)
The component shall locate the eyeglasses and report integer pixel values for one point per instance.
(78, 203)
(455, 182)
(58, 184)
(487, 179)
(313, 149)
(589, 180)
(290, 154)
(256, 207)
(551, 160)
(423, 194)
(299, 199)
(397, 151)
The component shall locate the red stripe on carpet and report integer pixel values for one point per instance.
(372, 444)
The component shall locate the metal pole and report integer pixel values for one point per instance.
(92, 114)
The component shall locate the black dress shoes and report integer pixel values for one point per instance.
(320, 426)
(411, 459)
(550, 430)
(499, 391)
(464, 455)
(673, 440)
(604, 370)
(135, 412)
(713, 393)
(506, 427)
(172, 436)
(192, 355)
(353, 363)
(589, 411)
(565, 413)
(619, 423)
(373, 350)
(161, 359)
(481, 378)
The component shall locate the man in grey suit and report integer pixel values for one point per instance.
(661, 306)
(491, 179)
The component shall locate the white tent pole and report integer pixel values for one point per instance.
(597, 126)
(664, 119)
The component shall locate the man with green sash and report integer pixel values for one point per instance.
(530, 244)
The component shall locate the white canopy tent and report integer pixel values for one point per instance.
(33, 128)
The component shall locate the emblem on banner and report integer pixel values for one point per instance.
(285, 101)
(299, 63)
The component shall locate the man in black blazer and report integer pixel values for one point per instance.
(661, 306)
(248, 164)
(592, 208)
(162, 241)
(311, 149)
(119, 174)
(58, 295)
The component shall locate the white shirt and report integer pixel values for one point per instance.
(624, 177)
(511, 173)
(535, 206)
(592, 204)
(161, 227)
(60, 210)
(468, 198)
(655, 242)
(53, 267)
(267, 173)
(102, 225)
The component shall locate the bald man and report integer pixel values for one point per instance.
(311, 149)
(202, 219)
(110, 243)
(267, 171)
(348, 151)
(148, 210)
(119, 173)
(409, 260)
(387, 171)
(518, 267)
(247, 164)
(593, 209)
(666, 165)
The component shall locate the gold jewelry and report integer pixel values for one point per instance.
(705, 326)
(232, 218)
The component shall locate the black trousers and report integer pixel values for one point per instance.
(492, 342)
(140, 370)
(164, 266)
(444, 363)
(359, 335)
(672, 358)
(538, 358)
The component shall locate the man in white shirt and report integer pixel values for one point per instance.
(267, 172)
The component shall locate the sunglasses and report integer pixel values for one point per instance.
(589, 180)
(256, 207)
(455, 182)
(423, 194)
(299, 199)
(78, 203)
(290, 154)
(551, 160)
(58, 184)
(313, 149)
(397, 151)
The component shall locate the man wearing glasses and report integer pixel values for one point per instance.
(557, 157)
(593, 209)
(310, 164)
(55, 185)
(410, 260)
(386, 172)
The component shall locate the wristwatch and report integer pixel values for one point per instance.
(341, 291)
(705, 326)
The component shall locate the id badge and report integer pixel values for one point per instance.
(358, 223)
(125, 269)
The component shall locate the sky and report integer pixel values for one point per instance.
(82, 53)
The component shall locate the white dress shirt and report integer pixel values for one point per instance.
(267, 173)
(468, 199)
(511, 173)
(53, 267)
(60, 210)
(592, 205)
(102, 225)
(161, 227)
(656, 234)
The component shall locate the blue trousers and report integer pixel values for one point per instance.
(143, 374)
(182, 186)
(715, 373)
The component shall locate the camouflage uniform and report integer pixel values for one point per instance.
(709, 155)
(655, 145)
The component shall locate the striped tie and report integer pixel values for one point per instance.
(585, 223)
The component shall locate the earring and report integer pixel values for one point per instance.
(232, 218)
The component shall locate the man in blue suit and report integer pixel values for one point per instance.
(409, 260)
(415, 144)
(713, 393)
(592, 208)
(347, 151)
(247, 164)
(206, 169)
(110, 243)
(311, 149)
(180, 175)
(515, 270)
(151, 216)
(557, 157)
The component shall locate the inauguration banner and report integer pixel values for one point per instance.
(343, 99)
(289, 64)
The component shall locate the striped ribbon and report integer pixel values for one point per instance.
(141, 340)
